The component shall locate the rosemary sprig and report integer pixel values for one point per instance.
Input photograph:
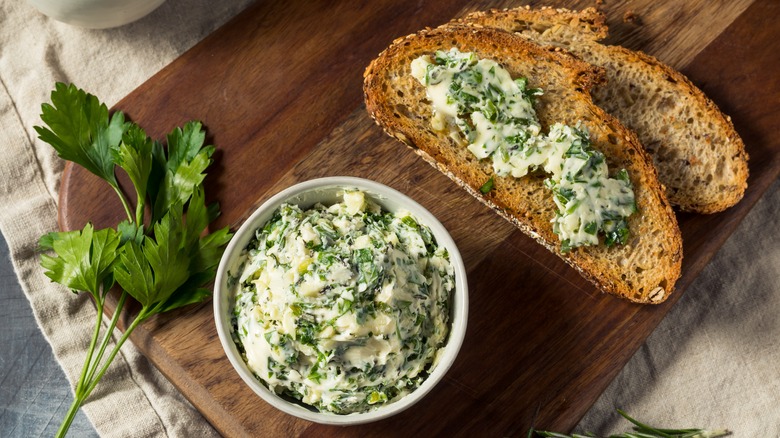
(641, 430)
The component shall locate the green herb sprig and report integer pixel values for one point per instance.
(164, 260)
(640, 430)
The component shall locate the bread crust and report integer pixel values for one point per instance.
(587, 24)
(647, 267)
(700, 158)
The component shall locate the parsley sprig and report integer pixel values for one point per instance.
(164, 260)
(640, 430)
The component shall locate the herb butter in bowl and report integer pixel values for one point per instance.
(341, 301)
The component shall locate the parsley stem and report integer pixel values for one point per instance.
(139, 212)
(74, 408)
(92, 343)
(138, 319)
(107, 335)
(80, 392)
(87, 382)
(124, 201)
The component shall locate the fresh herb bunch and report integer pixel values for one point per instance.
(640, 431)
(163, 260)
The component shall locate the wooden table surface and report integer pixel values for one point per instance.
(279, 90)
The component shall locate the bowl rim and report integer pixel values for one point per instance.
(377, 192)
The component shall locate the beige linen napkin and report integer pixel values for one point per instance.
(134, 399)
(713, 360)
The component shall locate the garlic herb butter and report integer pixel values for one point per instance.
(495, 118)
(343, 307)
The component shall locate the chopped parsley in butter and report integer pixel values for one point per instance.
(493, 115)
(343, 307)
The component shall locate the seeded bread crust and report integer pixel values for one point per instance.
(701, 160)
(647, 267)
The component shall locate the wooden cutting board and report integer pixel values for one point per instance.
(279, 90)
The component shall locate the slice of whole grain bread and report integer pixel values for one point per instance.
(700, 158)
(646, 268)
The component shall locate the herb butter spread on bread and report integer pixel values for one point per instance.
(700, 158)
(494, 114)
(642, 270)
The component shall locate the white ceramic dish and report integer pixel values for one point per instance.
(96, 14)
(326, 191)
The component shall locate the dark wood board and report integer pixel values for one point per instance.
(279, 90)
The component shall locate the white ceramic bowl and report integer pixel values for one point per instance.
(327, 191)
(96, 14)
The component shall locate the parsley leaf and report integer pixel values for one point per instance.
(164, 261)
(135, 156)
(130, 231)
(185, 165)
(152, 271)
(80, 130)
(83, 259)
(184, 144)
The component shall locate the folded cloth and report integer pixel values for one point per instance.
(712, 362)
(36, 52)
